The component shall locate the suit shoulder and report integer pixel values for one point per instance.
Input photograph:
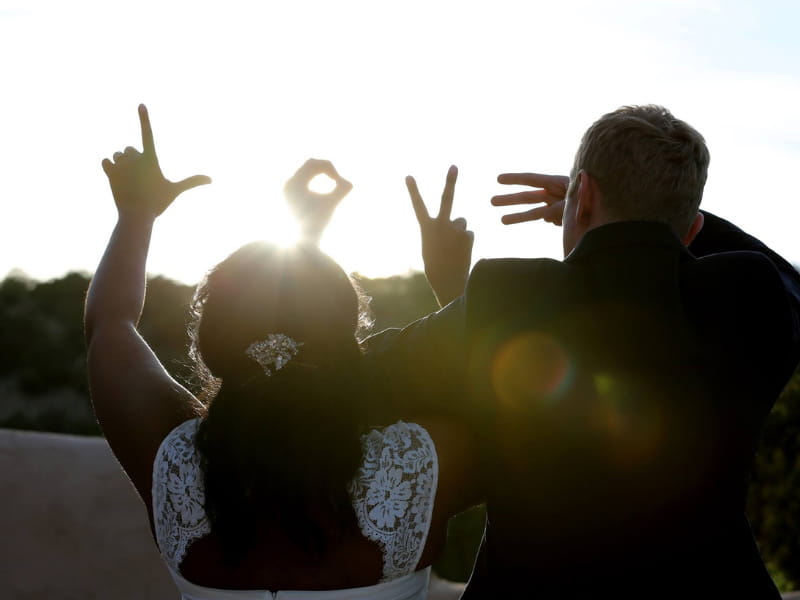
(743, 300)
(510, 271)
(749, 273)
(742, 288)
(514, 286)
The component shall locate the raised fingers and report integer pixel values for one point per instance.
(316, 166)
(191, 182)
(416, 200)
(129, 153)
(552, 213)
(313, 167)
(521, 217)
(148, 145)
(324, 166)
(531, 197)
(446, 206)
(343, 186)
(303, 176)
(557, 182)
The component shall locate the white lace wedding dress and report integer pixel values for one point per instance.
(392, 495)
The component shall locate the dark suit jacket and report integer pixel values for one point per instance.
(617, 398)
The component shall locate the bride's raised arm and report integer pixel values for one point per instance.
(135, 400)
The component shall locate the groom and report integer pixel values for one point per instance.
(617, 395)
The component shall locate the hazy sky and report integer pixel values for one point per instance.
(245, 92)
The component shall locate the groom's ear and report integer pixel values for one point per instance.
(587, 196)
(694, 229)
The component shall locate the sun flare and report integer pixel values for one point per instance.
(322, 184)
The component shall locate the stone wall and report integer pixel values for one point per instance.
(72, 523)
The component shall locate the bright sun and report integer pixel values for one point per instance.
(321, 184)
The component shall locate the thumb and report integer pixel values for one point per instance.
(344, 186)
(191, 182)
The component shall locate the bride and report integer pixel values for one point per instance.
(272, 483)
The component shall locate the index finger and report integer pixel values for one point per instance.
(317, 166)
(148, 145)
(307, 171)
(325, 167)
(534, 180)
(416, 200)
(528, 197)
(446, 207)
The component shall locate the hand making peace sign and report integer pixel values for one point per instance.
(136, 180)
(446, 244)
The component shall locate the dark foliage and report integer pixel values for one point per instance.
(42, 367)
(774, 502)
(399, 300)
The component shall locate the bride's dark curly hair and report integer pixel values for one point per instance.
(277, 451)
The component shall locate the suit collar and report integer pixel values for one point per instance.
(623, 235)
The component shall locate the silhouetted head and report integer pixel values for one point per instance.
(263, 289)
(280, 441)
(638, 163)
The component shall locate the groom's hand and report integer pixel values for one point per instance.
(552, 194)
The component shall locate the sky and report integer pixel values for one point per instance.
(245, 92)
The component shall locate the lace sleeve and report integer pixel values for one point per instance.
(178, 494)
(393, 494)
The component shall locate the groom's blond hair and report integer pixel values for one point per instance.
(648, 165)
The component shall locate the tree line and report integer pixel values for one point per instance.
(43, 387)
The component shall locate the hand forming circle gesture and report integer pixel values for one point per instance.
(446, 244)
(552, 194)
(312, 209)
(137, 183)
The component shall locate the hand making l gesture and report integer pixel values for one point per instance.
(552, 193)
(446, 244)
(312, 209)
(137, 183)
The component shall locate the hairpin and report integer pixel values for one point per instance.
(273, 352)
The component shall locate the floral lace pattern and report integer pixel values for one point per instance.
(178, 494)
(392, 494)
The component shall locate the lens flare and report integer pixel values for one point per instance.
(530, 368)
(630, 417)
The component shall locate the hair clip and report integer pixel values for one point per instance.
(273, 352)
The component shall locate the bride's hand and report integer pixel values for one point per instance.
(137, 183)
(312, 209)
